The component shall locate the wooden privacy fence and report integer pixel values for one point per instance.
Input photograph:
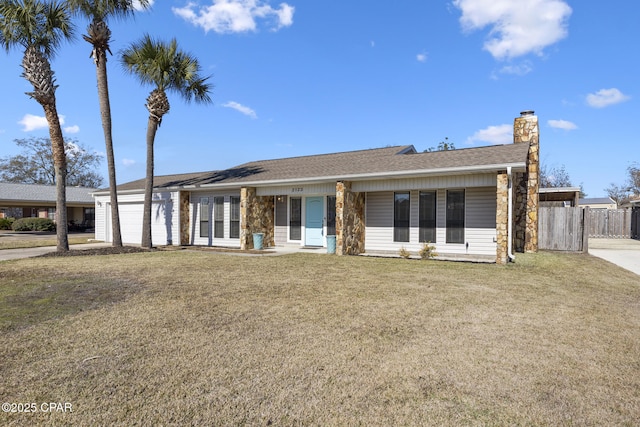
(563, 229)
(610, 223)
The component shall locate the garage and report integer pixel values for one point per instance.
(131, 223)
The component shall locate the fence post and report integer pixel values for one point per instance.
(585, 230)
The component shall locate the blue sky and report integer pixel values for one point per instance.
(299, 77)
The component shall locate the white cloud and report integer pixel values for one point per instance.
(519, 69)
(128, 162)
(137, 6)
(605, 97)
(501, 134)
(235, 16)
(562, 124)
(241, 108)
(31, 122)
(422, 57)
(516, 28)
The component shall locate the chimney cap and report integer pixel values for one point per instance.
(526, 113)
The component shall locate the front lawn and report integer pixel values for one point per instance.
(195, 338)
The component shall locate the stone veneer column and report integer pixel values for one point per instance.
(256, 216)
(525, 130)
(349, 220)
(185, 218)
(502, 218)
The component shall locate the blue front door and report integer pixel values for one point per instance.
(313, 224)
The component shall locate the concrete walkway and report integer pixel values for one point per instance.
(622, 252)
(8, 254)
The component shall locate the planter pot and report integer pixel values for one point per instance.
(258, 239)
(331, 244)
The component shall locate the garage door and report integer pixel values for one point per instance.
(131, 223)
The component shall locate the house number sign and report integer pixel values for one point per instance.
(297, 189)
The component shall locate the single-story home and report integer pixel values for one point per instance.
(39, 201)
(598, 203)
(478, 203)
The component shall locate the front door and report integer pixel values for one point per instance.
(313, 224)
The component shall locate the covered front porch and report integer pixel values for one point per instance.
(304, 216)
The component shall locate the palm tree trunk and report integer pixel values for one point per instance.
(105, 113)
(60, 166)
(152, 128)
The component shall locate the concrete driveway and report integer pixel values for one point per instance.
(7, 254)
(622, 252)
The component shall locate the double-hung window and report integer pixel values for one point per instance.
(401, 212)
(218, 217)
(455, 216)
(234, 220)
(204, 217)
(427, 216)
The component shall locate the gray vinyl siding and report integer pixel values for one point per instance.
(426, 183)
(379, 222)
(480, 223)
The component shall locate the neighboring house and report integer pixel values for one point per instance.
(559, 196)
(634, 202)
(598, 203)
(378, 200)
(39, 201)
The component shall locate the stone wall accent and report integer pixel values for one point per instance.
(502, 218)
(185, 218)
(350, 226)
(519, 210)
(256, 216)
(525, 130)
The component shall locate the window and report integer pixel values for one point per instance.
(295, 219)
(234, 221)
(427, 219)
(218, 217)
(89, 217)
(331, 215)
(51, 214)
(401, 205)
(455, 216)
(204, 217)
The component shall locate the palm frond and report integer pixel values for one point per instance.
(167, 67)
(26, 23)
(102, 10)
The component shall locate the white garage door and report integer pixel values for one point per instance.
(131, 223)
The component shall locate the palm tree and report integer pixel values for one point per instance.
(39, 27)
(166, 67)
(99, 36)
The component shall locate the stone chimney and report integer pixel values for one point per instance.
(526, 131)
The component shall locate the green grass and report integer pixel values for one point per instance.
(185, 337)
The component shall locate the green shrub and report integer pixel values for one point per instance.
(33, 224)
(5, 223)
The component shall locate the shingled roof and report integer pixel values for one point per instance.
(33, 193)
(363, 164)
